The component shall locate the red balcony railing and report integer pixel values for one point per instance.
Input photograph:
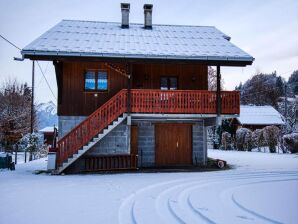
(145, 101)
(183, 101)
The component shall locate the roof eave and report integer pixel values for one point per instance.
(210, 60)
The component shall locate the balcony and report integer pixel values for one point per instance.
(183, 101)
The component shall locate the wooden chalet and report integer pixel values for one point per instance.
(257, 117)
(136, 95)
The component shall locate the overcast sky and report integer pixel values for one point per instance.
(267, 30)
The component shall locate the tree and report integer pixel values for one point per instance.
(15, 112)
(293, 83)
(244, 139)
(212, 80)
(32, 144)
(262, 89)
(271, 137)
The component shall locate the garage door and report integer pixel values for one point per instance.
(173, 144)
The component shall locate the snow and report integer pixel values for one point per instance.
(107, 39)
(47, 129)
(260, 115)
(261, 188)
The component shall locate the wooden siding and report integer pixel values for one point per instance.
(78, 102)
(189, 76)
(75, 101)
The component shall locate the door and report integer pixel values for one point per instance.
(134, 140)
(173, 144)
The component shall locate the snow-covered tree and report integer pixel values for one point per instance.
(262, 89)
(258, 138)
(271, 137)
(244, 139)
(226, 141)
(212, 79)
(32, 143)
(290, 142)
(293, 83)
(15, 112)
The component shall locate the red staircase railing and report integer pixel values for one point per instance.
(145, 101)
(92, 125)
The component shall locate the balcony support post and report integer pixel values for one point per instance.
(218, 96)
(129, 69)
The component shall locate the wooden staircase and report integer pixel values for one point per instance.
(90, 131)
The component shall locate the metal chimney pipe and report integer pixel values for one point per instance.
(148, 16)
(125, 15)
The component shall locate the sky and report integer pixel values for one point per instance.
(267, 30)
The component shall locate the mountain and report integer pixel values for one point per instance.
(46, 115)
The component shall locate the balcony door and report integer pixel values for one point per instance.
(168, 83)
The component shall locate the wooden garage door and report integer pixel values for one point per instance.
(173, 144)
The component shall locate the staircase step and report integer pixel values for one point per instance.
(92, 142)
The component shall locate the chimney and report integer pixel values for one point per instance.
(125, 15)
(148, 16)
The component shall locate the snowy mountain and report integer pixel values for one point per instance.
(46, 114)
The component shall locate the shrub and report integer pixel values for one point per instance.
(258, 138)
(226, 141)
(244, 139)
(271, 137)
(290, 142)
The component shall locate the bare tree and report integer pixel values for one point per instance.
(15, 112)
(212, 79)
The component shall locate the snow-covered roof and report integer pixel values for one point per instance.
(259, 115)
(108, 39)
(47, 129)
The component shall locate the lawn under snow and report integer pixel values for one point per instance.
(262, 188)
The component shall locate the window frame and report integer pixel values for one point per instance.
(169, 82)
(96, 90)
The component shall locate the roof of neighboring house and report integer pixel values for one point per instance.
(47, 129)
(108, 39)
(259, 115)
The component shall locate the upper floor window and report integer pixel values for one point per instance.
(168, 83)
(96, 80)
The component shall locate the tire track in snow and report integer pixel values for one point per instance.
(238, 204)
(160, 197)
(213, 221)
(184, 198)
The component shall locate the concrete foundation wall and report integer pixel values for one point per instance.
(66, 123)
(199, 144)
(146, 144)
(116, 142)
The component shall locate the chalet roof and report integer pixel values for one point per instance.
(259, 115)
(108, 39)
(47, 129)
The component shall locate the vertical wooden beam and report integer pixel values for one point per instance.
(129, 89)
(32, 100)
(218, 91)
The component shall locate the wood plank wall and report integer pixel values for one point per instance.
(77, 102)
(190, 76)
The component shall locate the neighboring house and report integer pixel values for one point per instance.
(258, 117)
(136, 95)
(48, 135)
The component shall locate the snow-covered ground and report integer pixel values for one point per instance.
(262, 188)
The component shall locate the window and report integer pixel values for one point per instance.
(90, 80)
(102, 81)
(96, 80)
(168, 83)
